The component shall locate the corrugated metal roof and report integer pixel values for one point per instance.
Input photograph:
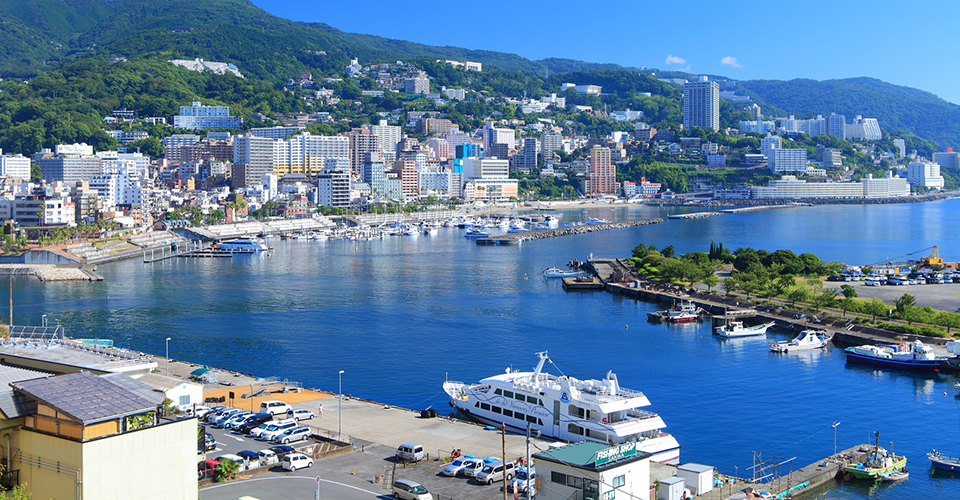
(161, 382)
(88, 398)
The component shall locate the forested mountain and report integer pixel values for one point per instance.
(39, 36)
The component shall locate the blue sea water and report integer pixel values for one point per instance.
(401, 314)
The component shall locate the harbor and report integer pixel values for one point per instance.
(722, 398)
(517, 238)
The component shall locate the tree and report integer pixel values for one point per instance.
(847, 304)
(875, 307)
(668, 251)
(782, 284)
(225, 470)
(711, 281)
(947, 320)
(903, 303)
(798, 295)
(848, 291)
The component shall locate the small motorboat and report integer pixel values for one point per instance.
(894, 476)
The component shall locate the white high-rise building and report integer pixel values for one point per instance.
(333, 183)
(925, 175)
(17, 166)
(864, 128)
(550, 141)
(701, 104)
(200, 117)
(789, 160)
(389, 136)
(493, 135)
(767, 145)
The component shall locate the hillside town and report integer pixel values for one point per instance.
(208, 160)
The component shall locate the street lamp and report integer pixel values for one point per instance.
(835, 424)
(340, 407)
(168, 356)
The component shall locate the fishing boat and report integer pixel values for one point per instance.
(944, 463)
(682, 312)
(565, 408)
(878, 463)
(556, 272)
(911, 355)
(597, 221)
(808, 339)
(891, 477)
(736, 329)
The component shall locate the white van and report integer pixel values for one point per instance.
(274, 407)
(410, 452)
(494, 472)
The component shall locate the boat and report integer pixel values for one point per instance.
(682, 312)
(242, 245)
(890, 477)
(879, 463)
(736, 329)
(942, 462)
(597, 221)
(556, 272)
(808, 339)
(911, 355)
(476, 233)
(565, 408)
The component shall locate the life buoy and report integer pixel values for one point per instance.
(604, 419)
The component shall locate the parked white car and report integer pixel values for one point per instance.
(299, 414)
(295, 461)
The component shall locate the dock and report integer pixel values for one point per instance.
(517, 238)
(189, 252)
(780, 479)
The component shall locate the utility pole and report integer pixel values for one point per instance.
(503, 453)
(529, 484)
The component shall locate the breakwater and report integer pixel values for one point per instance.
(515, 238)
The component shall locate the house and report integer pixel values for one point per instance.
(79, 435)
(182, 394)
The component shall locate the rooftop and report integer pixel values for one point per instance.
(15, 405)
(88, 398)
(75, 354)
(583, 455)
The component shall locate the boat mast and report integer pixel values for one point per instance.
(536, 372)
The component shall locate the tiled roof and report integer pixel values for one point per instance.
(14, 405)
(87, 397)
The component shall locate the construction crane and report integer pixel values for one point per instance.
(907, 262)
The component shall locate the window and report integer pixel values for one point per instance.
(532, 419)
(590, 487)
(558, 477)
(498, 392)
(185, 399)
(484, 406)
(575, 482)
(508, 394)
(476, 405)
(619, 481)
(519, 397)
(532, 400)
(496, 409)
(507, 413)
(518, 415)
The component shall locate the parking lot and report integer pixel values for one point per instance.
(942, 297)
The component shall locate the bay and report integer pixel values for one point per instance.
(401, 314)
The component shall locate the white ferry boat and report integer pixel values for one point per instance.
(241, 245)
(565, 408)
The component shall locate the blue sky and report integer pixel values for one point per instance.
(903, 43)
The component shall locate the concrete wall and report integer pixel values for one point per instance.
(153, 463)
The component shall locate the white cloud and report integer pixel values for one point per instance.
(730, 61)
(672, 59)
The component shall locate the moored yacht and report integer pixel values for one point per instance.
(566, 408)
(242, 245)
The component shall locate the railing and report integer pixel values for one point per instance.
(9, 479)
